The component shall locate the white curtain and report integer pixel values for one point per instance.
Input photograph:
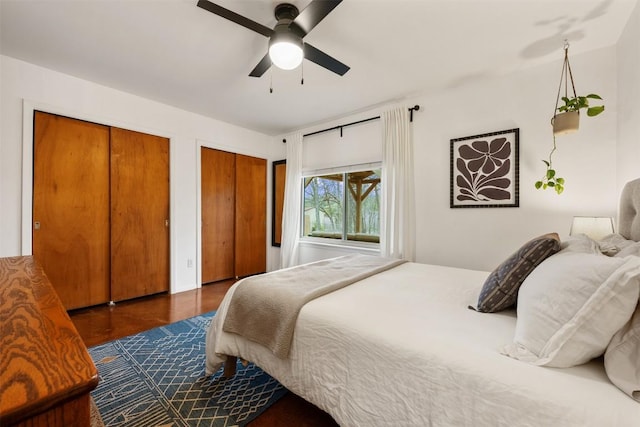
(292, 203)
(397, 222)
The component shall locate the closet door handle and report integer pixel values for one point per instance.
(36, 225)
(166, 222)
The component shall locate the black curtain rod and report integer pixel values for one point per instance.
(411, 110)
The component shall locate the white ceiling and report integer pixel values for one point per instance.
(176, 53)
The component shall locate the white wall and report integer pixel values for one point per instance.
(358, 144)
(482, 238)
(25, 87)
(628, 97)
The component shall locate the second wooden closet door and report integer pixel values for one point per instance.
(251, 215)
(139, 214)
(218, 180)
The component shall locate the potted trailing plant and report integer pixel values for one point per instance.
(567, 119)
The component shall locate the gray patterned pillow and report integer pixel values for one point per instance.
(500, 290)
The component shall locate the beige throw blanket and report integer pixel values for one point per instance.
(264, 308)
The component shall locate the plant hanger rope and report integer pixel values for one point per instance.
(566, 72)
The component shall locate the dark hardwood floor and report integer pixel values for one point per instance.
(100, 324)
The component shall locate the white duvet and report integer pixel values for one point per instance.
(401, 348)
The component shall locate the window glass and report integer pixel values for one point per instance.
(323, 206)
(363, 206)
(327, 201)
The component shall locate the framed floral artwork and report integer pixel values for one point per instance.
(484, 170)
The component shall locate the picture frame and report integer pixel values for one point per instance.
(484, 170)
(279, 175)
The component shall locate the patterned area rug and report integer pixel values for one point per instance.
(157, 379)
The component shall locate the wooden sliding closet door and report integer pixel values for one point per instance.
(139, 214)
(71, 207)
(218, 212)
(251, 215)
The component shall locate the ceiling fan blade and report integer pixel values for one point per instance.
(314, 13)
(322, 59)
(234, 17)
(262, 67)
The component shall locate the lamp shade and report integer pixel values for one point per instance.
(595, 227)
(285, 48)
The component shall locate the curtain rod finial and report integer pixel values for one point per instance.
(411, 110)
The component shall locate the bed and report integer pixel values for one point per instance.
(410, 345)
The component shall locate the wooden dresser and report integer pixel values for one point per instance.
(46, 373)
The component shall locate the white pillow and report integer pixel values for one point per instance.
(616, 240)
(571, 305)
(632, 249)
(622, 358)
(617, 245)
(580, 243)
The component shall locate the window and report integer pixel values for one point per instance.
(327, 202)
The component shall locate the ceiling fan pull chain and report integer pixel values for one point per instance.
(271, 81)
(302, 73)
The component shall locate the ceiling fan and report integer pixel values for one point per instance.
(286, 48)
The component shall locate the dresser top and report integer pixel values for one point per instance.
(43, 360)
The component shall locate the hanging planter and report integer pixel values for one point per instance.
(566, 119)
(567, 122)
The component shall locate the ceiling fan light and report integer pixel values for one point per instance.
(285, 55)
(285, 47)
